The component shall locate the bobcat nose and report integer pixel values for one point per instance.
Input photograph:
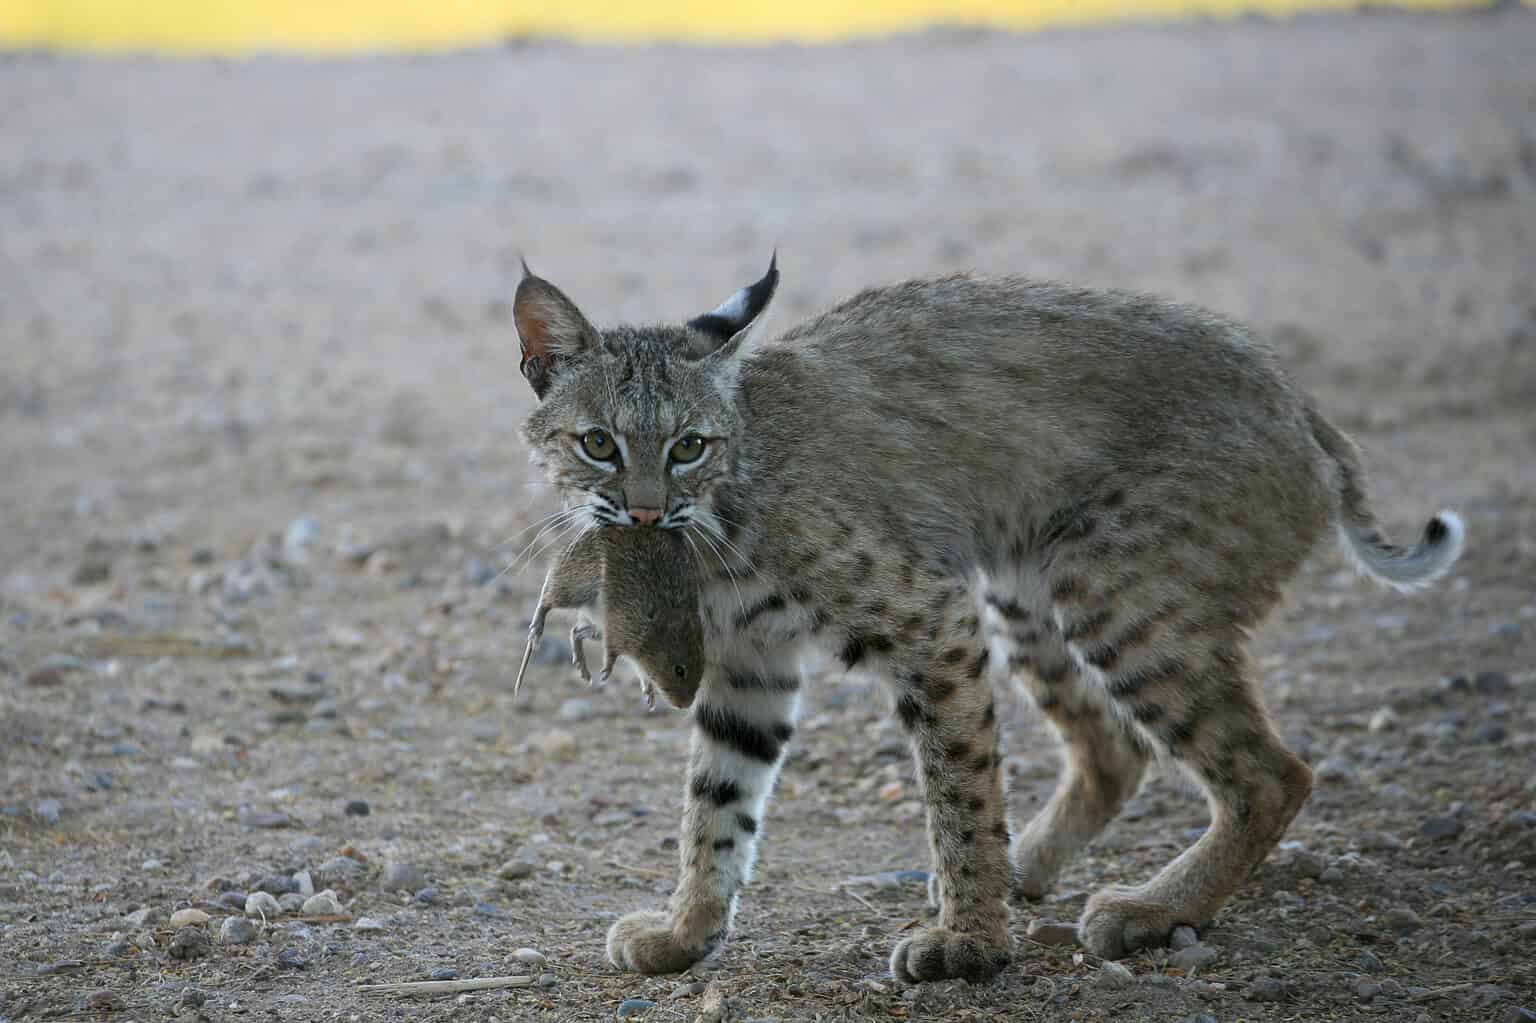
(645, 516)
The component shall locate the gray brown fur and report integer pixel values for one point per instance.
(1097, 494)
(638, 590)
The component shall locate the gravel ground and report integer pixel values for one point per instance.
(261, 479)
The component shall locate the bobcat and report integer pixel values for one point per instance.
(1095, 493)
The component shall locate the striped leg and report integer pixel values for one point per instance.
(742, 720)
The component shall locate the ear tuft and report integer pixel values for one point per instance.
(549, 326)
(738, 312)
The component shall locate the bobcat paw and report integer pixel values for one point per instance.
(646, 943)
(937, 953)
(1119, 920)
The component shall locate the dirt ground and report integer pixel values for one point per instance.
(260, 476)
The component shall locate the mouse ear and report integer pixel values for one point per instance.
(550, 328)
(728, 323)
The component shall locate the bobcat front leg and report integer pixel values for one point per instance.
(947, 709)
(741, 723)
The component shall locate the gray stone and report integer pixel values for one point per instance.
(291, 902)
(1518, 1014)
(1370, 962)
(630, 1008)
(303, 883)
(1402, 920)
(104, 1000)
(1113, 975)
(1266, 989)
(357, 808)
(1492, 683)
(1367, 989)
(1336, 770)
(323, 904)
(426, 897)
(190, 943)
(91, 571)
(1048, 931)
(1183, 937)
(402, 877)
(1194, 957)
(142, 917)
(548, 980)
(262, 905)
(264, 819)
(1440, 829)
(577, 709)
(237, 930)
(188, 918)
(276, 884)
(292, 959)
(48, 810)
(445, 973)
(1384, 720)
(368, 924)
(1199, 1017)
(516, 870)
(339, 870)
(231, 900)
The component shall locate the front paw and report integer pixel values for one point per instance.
(938, 953)
(1119, 920)
(646, 942)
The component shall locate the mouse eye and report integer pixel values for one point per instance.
(679, 671)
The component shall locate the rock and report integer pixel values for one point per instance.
(1331, 875)
(688, 990)
(262, 906)
(291, 902)
(445, 973)
(48, 811)
(516, 870)
(191, 998)
(142, 917)
(1199, 1017)
(888, 879)
(291, 959)
(368, 923)
(1266, 989)
(1402, 920)
(237, 930)
(264, 819)
(1183, 937)
(1440, 829)
(323, 904)
(188, 918)
(43, 678)
(1367, 989)
(1113, 975)
(190, 943)
(548, 980)
(1492, 733)
(300, 537)
(577, 709)
(303, 883)
(104, 1000)
(231, 900)
(1194, 957)
(1306, 864)
(557, 744)
(1371, 963)
(92, 571)
(1336, 770)
(1384, 720)
(630, 1008)
(1518, 1014)
(275, 884)
(1047, 931)
(339, 870)
(426, 897)
(529, 956)
(1492, 683)
(357, 808)
(402, 877)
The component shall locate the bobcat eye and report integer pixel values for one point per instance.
(599, 444)
(687, 450)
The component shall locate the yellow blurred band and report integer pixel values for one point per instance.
(341, 26)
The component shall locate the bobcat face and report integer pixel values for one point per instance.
(637, 426)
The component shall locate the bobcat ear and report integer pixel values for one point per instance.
(549, 326)
(730, 321)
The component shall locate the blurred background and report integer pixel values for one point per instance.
(263, 503)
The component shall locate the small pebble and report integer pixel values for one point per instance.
(276, 884)
(357, 808)
(1491, 683)
(1402, 919)
(1112, 974)
(142, 917)
(529, 956)
(237, 930)
(445, 973)
(264, 819)
(402, 877)
(323, 904)
(1052, 932)
(104, 1000)
(368, 923)
(1384, 720)
(187, 918)
(629, 1008)
(48, 810)
(1335, 769)
(1183, 937)
(1266, 989)
(1331, 875)
(1367, 989)
(1518, 1014)
(688, 990)
(262, 905)
(1199, 1017)
(190, 943)
(92, 571)
(291, 959)
(303, 883)
(191, 998)
(231, 900)
(1439, 829)
(44, 678)
(151, 864)
(1194, 957)
(426, 897)
(577, 709)
(291, 902)
(339, 869)
(1370, 962)
(557, 744)
(547, 980)
(516, 870)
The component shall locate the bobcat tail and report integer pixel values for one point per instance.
(1361, 537)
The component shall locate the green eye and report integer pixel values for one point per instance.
(599, 444)
(687, 450)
